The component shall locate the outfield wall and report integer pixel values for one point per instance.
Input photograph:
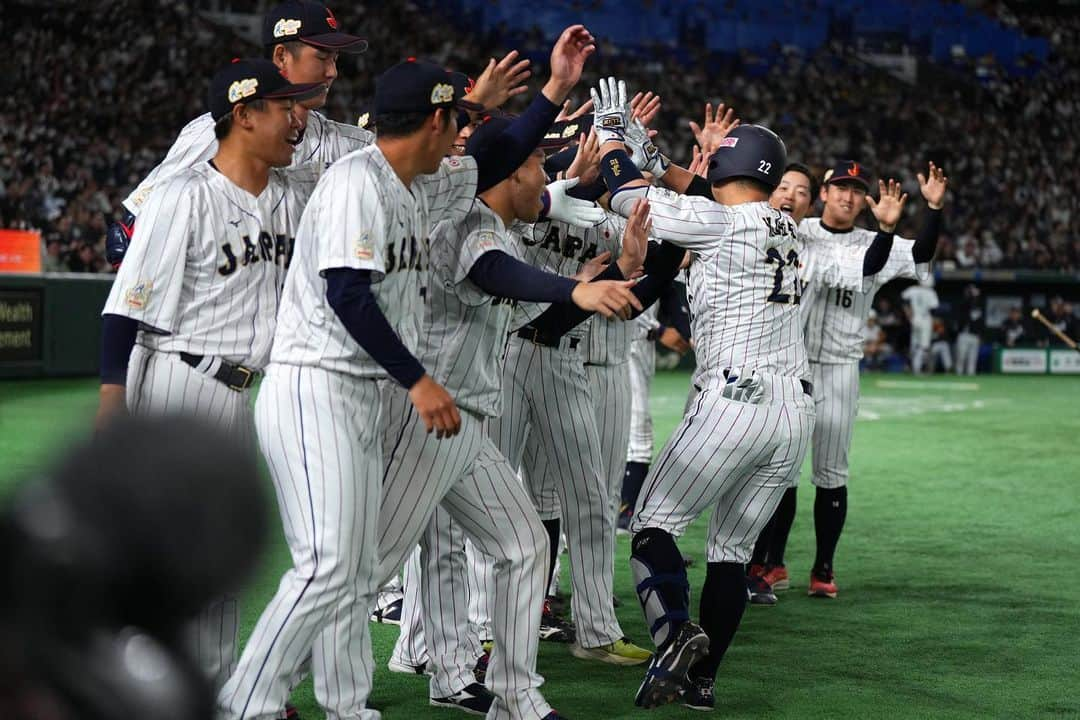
(50, 325)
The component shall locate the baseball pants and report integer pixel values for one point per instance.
(546, 392)
(836, 397)
(641, 368)
(161, 383)
(967, 353)
(320, 432)
(735, 457)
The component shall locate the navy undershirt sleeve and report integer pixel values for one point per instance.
(591, 192)
(497, 160)
(501, 275)
(617, 170)
(673, 309)
(699, 187)
(926, 243)
(877, 254)
(663, 270)
(118, 334)
(349, 293)
(561, 318)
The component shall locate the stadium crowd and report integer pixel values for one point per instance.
(101, 120)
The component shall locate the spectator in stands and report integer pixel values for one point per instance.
(971, 325)
(1014, 331)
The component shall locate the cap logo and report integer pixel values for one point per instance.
(570, 130)
(364, 119)
(285, 28)
(331, 20)
(241, 89)
(442, 93)
(729, 142)
(853, 171)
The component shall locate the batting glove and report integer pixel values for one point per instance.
(646, 156)
(563, 208)
(743, 386)
(117, 238)
(611, 111)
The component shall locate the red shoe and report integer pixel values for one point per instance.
(776, 575)
(822, 586)
(756, 571)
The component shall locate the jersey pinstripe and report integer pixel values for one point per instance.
(835, 319)
(465, 329)
(361, 216)
(206, 265)
(324, 141)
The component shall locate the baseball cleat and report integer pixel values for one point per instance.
(755, 569)
(554, 715)
(760, 592)
(699, 694)
(406, 669)
(480, 669)
(822, 585)
(666, 681)
(620, 652)
(474, 699)
(390, 614)
(291, 713)
(553, 628)
(776, 575)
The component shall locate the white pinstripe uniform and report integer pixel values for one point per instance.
(833, 323)
(547, 395)
(463, 342)
(324, 141)
(319, 422)
(738, 445)
(922, 300)
(642, 368)
(203, 276)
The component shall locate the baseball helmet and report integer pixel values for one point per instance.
(749, 151)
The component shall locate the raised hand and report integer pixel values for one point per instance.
(500, 81)
(567, 114)
(571, 210)
(610, 110)
(586, 165)
(699, 163)
(635, 238)
(933, 187)
(715, 127)
(568, 57)
(645, 107)
(889, 208)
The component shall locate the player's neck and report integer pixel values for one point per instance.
(500, 203)
(404, 157)
(242, 168)
(733, 193)
(832, 226)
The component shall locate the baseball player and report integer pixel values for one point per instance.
(749, 426)
(188, 323)
(350, 319)
(969, 337)
(920, 300)
(833, 329)
(303, 39)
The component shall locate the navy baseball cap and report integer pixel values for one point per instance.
(417, 86)
(848, 171)
(311, 23)
(565, 132)
(248, 80)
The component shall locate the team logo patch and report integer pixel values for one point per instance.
(364, 120)
(570, 130)
(364, 249)
(486, 240)
(137, 297)
(729, 142)
(442, 93)
(285, 27)
(241, 89)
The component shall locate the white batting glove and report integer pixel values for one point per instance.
(611, 110)
(743, 385)
(646, 156)
(571, 210)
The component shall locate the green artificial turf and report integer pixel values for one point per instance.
(959, 594)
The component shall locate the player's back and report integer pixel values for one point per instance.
(463, 337)
(743, 292)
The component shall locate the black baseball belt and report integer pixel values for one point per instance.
(807, 387)
(537, 337)
(235, 377)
